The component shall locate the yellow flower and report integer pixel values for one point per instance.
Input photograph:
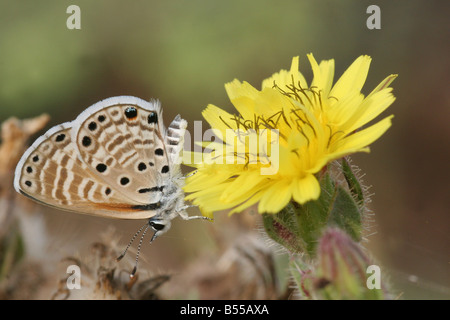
(309, 126)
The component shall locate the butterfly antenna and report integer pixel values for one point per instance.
(130, 243)
(138, 252)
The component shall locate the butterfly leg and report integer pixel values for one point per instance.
(190, 174)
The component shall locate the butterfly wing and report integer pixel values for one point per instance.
(174, 141)
(51, 172)
(111, 161)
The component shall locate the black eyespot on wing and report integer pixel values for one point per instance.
(151, 164)
(124, 181)
(108, 191)
(165, 169)
(29, 169)
(101, 118)
(28, 183)
(60, 137)
(101, 167)
(86, 141)
(92, 126)
(159, 152)
(35, 159)
(142, 166)
(152, 117)
(131, 113)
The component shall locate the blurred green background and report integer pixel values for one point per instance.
(183, 52)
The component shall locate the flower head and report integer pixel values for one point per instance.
(297, 128)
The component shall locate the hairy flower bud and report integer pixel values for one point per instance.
(344, 270)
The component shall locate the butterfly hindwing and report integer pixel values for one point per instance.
(123, 143)
(51, 172)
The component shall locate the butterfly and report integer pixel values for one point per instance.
(115, 160)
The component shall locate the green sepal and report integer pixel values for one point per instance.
(299, 227)
(283, 228)
(352, 181)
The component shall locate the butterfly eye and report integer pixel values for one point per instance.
(131, 113)
(156, 226)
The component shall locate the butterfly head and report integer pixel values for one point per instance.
(160, 225)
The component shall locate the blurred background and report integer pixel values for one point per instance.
(183, 52)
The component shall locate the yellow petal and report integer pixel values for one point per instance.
(343, 110)
(327, 71)
(242, 96)
(237, 189)
(219, 119)
(208, 202)
(248, 203)
(202, 181)
(384, 84)
(284, 77)
(353, 78)
(275, 197)
(369, 109)
(270, 102)
(323, 75)
(208, 197)
(366, 136)
(305, 189)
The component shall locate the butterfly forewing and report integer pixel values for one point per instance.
(111, 161)
(174, 140)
